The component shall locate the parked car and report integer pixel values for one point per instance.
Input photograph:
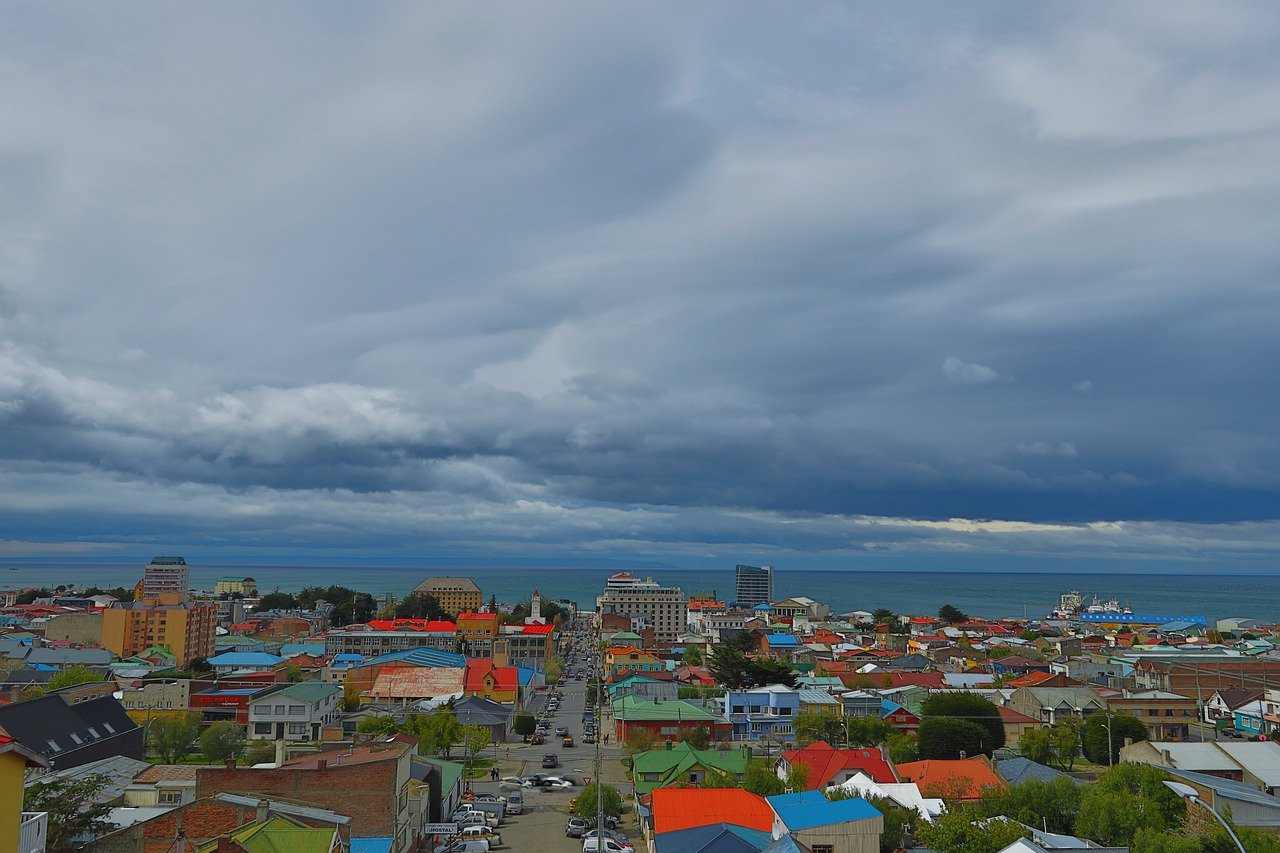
(515, 803)
(609, 833)
(488, 796)
(484, 832)
(604, 845)
(464, 845)
(576, 827)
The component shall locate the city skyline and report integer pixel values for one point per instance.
(868, 286)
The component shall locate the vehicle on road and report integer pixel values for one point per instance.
(549, 760)
(589, 738)
(509, 782)
(567, 742)
(555, 783)
(561, 731)
(537, 740)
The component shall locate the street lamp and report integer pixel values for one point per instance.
(1189, 794)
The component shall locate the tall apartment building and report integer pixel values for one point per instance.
(754, 585)
(665, 606)
(456, 595)
(185, 627)
(166, 578)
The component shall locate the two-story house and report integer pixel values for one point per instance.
(630, 659)
(759, 713)
(294, 712)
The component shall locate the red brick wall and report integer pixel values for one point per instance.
(365, 792)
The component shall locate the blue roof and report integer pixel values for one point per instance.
(348, 656)
(371, 845)
(245, 659)
(713, 838)
(1179, 626)
(239, 691)
(525, 675)
(887, 707)
(763, 607)
(315, 649)
(786, 844)
(782, 640)
(1143, 618)
(807, 809)
(421, 657)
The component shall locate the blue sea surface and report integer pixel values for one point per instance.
(993, 594)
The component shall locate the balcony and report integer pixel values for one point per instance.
(32, 832)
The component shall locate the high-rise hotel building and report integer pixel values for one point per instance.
(754, 585)
(665, 608)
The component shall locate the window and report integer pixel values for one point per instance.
(94, 733)
(739, 709)
(822, 848)
(168, 797)
(297, 728)
(650, 777)
(785, 712)
(53, 745)
(755, 709)
(108, 727)
(297, 709)
(262, 728)
(279, 710)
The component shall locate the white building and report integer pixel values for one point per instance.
(666, 607)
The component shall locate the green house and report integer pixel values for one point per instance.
(684, 765)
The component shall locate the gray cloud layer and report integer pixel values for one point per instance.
(642, 280)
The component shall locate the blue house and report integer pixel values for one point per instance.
(763, 712)
(1249, 718)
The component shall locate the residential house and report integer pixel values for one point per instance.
(1016, 724)
(499, 683)
(674, 809)
(668, 720)
(369, 783)
(645, 687)
(960, 780)
(902, 719)
(848, 826)
(1015, 771)
(1168, 716)
(68, 731)
(295, 712)
(447, 777)
(1247, 805)
(1223, 703)
(618, 659)
(905, 794)
(274, 833)
(496, 717)
(1251, 719)
(713, 838)
(1050, 705)
(684, 765)
(763, 713)
(815, 701)
(830, 766)
(162, 785)
(231, 662)
(1253, 763)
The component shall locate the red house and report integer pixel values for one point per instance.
(830, 766)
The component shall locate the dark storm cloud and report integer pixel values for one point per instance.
(655, 281)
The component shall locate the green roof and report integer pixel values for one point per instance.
(625, 635)
(236, 640)
(309, 691)
(278, 835)
(449, 771)
(634, 709)
(673, 764)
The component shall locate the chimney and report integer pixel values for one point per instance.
(263, 808)
(231, 762)
(280, 751)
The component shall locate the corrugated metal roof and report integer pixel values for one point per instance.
(714, 838)
(807, 809)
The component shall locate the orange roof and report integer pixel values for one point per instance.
(1031, 679)
(478, 617)
(432, 625)
(966, 776)
(625, 650)
(1008, 715)
(686, 808)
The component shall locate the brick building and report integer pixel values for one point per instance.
(368, 783)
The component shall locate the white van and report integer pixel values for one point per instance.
(515, 802)
(603, 845)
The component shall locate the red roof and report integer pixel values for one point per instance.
(504, 677)
(537, 629)
(932, 680)
(477, 617)
(967, 776)
(436, 626)
(686, 808)
(825, 761)
(1031, 679)
(1008, 715)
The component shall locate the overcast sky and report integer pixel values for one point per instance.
(813, 284)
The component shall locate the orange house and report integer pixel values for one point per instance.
(499, 683)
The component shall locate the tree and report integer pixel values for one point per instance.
(439, 733)
(525, 724)
(1066, 742)
(27, 596)
(952, 615)
(867, 731)
(1154, 841)
(697, 737)
(691, 656)
(294, 673)
(1096, 736)
(259, 752)
(585, 804)
(475, 740)
(884, 616)
(944, 737)
(961, 832)
(75, 806)
(902, 748)
(553, 670)
(173, 736)
(798, 776)
(897, 821)
(811, 726)
(222, 740)
(71, 676)
(1037, 745)
(276, 600)
(382, 724)
(1049, 804)
(420, 605)
(759, 778)
(350, 696)
(970, 707)
(1125, 799)
(639, 740)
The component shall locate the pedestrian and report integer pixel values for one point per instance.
(493, 773)
(606, 740)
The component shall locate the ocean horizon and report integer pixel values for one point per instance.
(985, 593)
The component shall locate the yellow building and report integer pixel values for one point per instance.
(631, 659)
(235, 586)
(186, 628)
(14, 761)
(456, 595)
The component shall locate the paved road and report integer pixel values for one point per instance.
(541, 827)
